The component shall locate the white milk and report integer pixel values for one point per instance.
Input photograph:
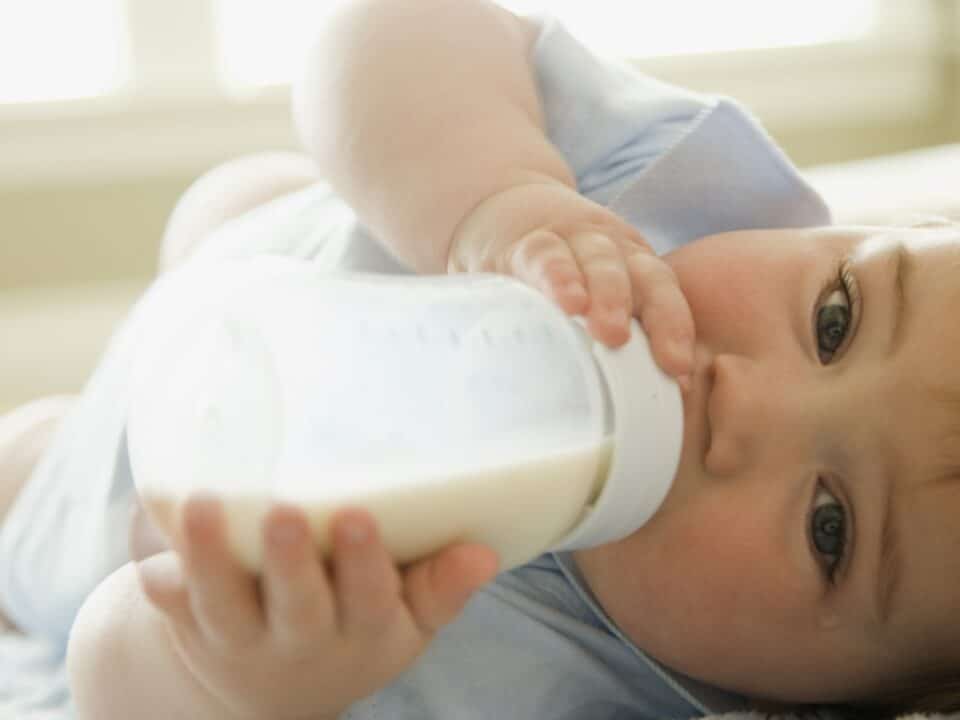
(519, 509)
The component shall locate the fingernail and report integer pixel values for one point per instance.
(618, 316)
(353, 531)
(202, 511)
(158, 569)
(575, 289)
(285, 534)
(573, 297)
(685, 382)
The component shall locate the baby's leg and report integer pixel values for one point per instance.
(24, 434)
(227, 191)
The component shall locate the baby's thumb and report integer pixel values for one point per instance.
(162, 581)
(438, 588)
(144, 538)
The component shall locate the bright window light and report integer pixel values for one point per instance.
(61, 49)
(645, 28)
(262, 43)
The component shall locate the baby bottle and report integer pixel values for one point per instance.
(453, 408)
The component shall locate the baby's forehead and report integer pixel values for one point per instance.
(929, 256)
(921, 241)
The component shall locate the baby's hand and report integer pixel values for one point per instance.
(586, 258)
(304, 640)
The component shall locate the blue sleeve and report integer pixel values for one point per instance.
(608, 120)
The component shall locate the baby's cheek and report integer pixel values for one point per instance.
(716, 577)
(732, 560)
(704, 580)
(732, 291)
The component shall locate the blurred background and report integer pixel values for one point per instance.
(110, 108)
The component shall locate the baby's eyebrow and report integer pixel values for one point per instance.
(903, 275)
(888, 564)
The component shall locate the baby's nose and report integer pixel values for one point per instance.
(752, 410)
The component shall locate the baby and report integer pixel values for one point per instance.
(818, 377)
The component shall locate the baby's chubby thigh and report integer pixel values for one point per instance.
(122, 662)
(228, 191)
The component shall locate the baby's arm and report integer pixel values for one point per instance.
(416, 110)
(424, 115)
(194, 636)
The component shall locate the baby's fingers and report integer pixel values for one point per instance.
(545, 261)
(437, 588)
(608, 282)
(162, 581)
(663, 311)
(297, 598)
(367, 582)
(223, 595)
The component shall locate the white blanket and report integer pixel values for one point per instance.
(33, 680)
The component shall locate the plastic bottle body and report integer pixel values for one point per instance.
(453, 407)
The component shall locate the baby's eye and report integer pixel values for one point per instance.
(828, 530)
(835, 316)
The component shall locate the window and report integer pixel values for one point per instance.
(207, 80)
(262, 43)
(646, 28)
(867, 58)
(61, 49)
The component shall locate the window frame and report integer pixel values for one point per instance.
(906, 72)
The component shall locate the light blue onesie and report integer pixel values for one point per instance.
(534, 643)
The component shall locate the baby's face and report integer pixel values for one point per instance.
(814, 463)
